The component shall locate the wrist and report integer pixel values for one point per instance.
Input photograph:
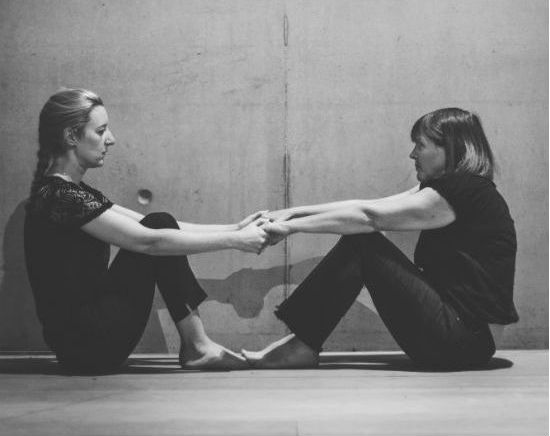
(233, 239)
(297, 212)
(287, 227)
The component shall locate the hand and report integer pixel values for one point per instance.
(279, 215)
(251, 218)
(253, 238)
(277, 231)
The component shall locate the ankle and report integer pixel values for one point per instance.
(192, 333)
(298, 345)
(196, 345)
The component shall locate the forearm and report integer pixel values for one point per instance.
(169, 242)
(343, 221)
(188, 227)
(207, 228)
(314, 209)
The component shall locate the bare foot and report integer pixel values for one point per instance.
(287, 353)
(211, 357)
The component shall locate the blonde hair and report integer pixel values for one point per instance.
(66, 109)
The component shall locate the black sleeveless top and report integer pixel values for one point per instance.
(66, 266)
(472, 260)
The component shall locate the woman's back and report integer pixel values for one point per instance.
(473, 259)
(65, 265)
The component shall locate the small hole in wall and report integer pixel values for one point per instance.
(144, 196)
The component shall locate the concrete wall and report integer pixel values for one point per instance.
(223, 108)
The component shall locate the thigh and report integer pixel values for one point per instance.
(107, 328)
(424, 325)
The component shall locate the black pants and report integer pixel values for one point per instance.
(108, 328)
(426, 327)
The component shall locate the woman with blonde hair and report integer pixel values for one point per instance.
(93, 315)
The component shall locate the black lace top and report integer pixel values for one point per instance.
(66, 266)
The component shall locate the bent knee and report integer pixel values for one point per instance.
(160, 220)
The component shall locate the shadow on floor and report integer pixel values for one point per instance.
(168, 365)
(396, 362)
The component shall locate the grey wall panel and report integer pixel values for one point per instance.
(361, 72)
(194, 95)
(206, 100)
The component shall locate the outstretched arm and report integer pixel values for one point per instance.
(125, 232)
(425, 209)
(302, 211)
(192, 227)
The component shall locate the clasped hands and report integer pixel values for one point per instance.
(263, 228)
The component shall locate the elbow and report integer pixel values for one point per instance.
(362, 221)
(150, 244)
(373, 222)
(367, 217)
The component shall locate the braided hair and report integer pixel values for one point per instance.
(66, 109)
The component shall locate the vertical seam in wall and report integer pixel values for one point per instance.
(286, 157)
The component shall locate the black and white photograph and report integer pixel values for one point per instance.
(274, 217)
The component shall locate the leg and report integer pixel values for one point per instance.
(114, 324)
(419, 318)
(428, 329)
(313, 311)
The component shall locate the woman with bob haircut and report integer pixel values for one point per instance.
(93, 315)
(438, 308)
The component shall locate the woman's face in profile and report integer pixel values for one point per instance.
(92, 146)
(429, 159)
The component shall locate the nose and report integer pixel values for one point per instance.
(412, 154)
(110, 139)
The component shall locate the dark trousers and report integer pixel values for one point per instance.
(425, 326)
(108, 328)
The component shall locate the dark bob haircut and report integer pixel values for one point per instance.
(460, 133)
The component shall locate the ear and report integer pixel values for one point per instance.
(69, 137)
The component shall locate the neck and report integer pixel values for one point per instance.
(70, 170)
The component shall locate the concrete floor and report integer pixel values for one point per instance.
(351, 394)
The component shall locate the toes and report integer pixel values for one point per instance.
(252, 356)
(223, 360)
(247, 356)
(241, 363)
(232, 355)
(255, 359)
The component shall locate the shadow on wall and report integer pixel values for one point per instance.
(246, 289)
(19, 325)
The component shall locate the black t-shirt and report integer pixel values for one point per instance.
(66, 266)
(472, 260)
